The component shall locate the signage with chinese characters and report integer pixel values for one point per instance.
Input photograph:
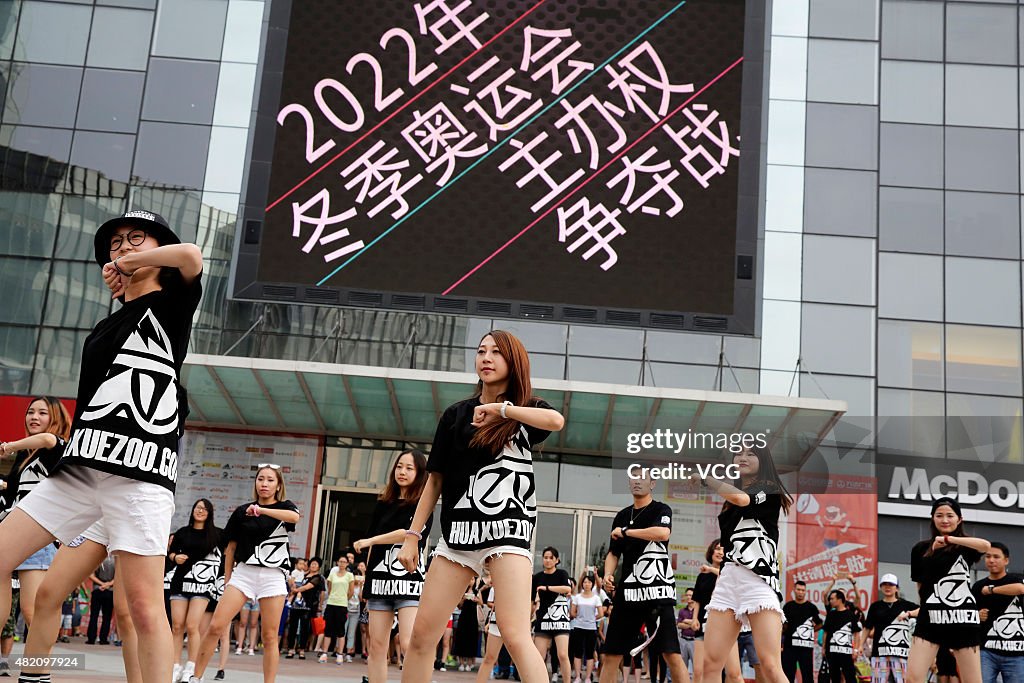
(557, 158)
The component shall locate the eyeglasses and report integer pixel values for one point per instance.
(135, 238)
(268, 464)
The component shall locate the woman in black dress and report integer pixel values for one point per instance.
(948, 615)
(466, 640)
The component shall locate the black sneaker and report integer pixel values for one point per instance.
(220, 675)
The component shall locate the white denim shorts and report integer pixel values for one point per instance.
(743, 592)
(257, 582)
(135, 515)
(477, 559)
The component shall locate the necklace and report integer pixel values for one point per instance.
(633, 516)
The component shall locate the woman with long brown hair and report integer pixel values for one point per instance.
(748, 590)
(47, 426)
(389, 589)
(482, 461)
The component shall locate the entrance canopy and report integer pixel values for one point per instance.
(255, 394)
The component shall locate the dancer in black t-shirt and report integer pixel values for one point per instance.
(120, 464)
(703, 589)
(646, 595)
(390, 590)
(1002, 617)
(843, 638)
(551, 589)
(47, 426)
(194, 551)
(257, 561)
(799, 633)
(482, 460)
(948, 616)
(887, 626)
(748, 590)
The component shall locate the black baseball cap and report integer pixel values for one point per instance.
(153, 223)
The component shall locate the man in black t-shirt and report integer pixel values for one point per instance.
(798, 633)
(646, 593)
(888, 625)
(1002, 619)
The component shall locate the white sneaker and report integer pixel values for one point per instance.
(252, 653)
(238, 650)
(189, 671)
(193, 679)
(176, 674)
(348, 659)
(462, 667)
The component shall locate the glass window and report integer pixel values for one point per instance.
(912, 422)
(53, 144)
(40, 25)
(912, 30)
(983, 360)
(58, 362)
(981, 96)
(857, 144)
(172, 154)
(8, 26)
(80, 217)
(23, 282)
(910, 354)
(838, 339)
(604, 370)
(120, 39)
(910, 220)
(181, 91)
(603, 341)
(789, 18)
(842, 71)
(858, 392)
(244, 28)
(108, 153)
(981, 224)
(78, 297)
(983, 291)
(982, 428)
(911, 92)
(28, 223)
(788, 79)
(783, 252)
(743, 351)
(844, 19)
(226, 161)
(983, 34)
(982, 159)
(137, 4)
(910, 286)
(683, 346)
(682, 376)
(825, 257)
(234, 95)
(780, 341)
(786, 132)
(43, 95)
(784, 198)
(17, 347)
(537, 337)
(190, 28)
(110, 100)
(911, 155)
(840, 202)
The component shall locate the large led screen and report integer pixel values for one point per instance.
(591, 161)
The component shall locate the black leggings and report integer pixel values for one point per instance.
(298, 628)
(839, 666)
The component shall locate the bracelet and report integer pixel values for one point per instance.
(505, 405)
(118, 268)
(412, 532)
(946, 539)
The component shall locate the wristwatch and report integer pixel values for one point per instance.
(505, 405)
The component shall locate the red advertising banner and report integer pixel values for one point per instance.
(836, 536)
(12, 415)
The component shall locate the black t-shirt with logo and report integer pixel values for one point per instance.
(263, 540)
(1004, 628)
(30, 468)
(703, 588)
(802, 618)
(947, 604)
(840, 626)
(198, 574)
(387, 578)
(553, 612)
(486, 501)
(750, 535)
(891, 638)
(647, 575)
(129, 414)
